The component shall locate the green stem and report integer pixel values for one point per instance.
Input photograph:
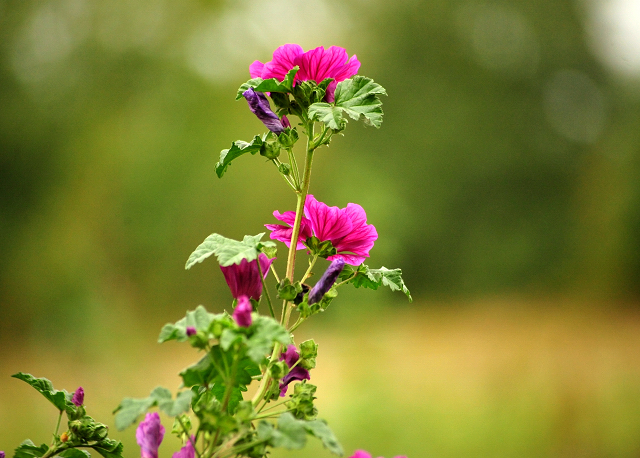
(58, 424)
(346, 281)
(307, 274)
(265, 290)
(294, 167)
(275, 274)
(193, 442)
(296, 324)
(268, 415)
(273, 406)
(291, 185)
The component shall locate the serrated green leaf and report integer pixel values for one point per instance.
(238, 148)
(321, 430)
(267, 331)
(177, 406)
(28, 449)
(290, 433)
(269, 85)
(229, 251)
(198, 318)
(199, 373)
(74, 453)
(365, 277)
(357, 97)
(131, 408)
(60, 399)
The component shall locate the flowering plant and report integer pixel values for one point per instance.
(242, 347)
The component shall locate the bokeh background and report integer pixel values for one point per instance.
(504, 181)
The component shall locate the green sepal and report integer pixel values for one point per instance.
(269, 85)
(27, 449)
(109, 448)
(271, 146)
(308, 354)
(288, 138)
(308, 92)
(357, 97)
(229, 251)
(301, 403)
(177, 429)
(288, 291)
(59, 398)
(238, 148)
(199, 318)
(363, 276)
(284, 169)
(321, 249)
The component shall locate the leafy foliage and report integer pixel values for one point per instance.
(60, 399)
(269, 85)
(291, 433)
(229, 251)
(238, 148)
(357, 97)
(130, 409)
(199, 318)
(28, 449)
(363, 276)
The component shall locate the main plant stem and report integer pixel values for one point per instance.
(291, 259)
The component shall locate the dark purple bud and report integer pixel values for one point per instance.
(259, 105)
(285, 121)
(291, 357)
(1, 454)
(191, 331)
(242, 312)
(78, 397)
(327, 280)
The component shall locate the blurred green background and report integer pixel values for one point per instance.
(504, 182)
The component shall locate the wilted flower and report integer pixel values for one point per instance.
(149, 435)
(259, 105)
(327, 280)
(291, 357)
(316, 64)
(244, 279)
(242, 312)
(187, 451)
(191, 331)
(346, 229)
(78, 397)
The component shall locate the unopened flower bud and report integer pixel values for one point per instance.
(242, 312)
(191, 331)
(78, 397)
(1, 454)
(327, 280)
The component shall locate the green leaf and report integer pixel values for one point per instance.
(60, 399)
(229, 251)
(28, 449)
(180, 405)
(109, 448)
(238, 148)
(267, 331)
(269, 85)
(130, 409)
(74, 453)
(357, 97)
(321, 430)
(374, 278)
(198, 318)
(290, 433)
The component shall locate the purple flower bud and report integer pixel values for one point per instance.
(187, 451)
(259, 105)
(1, 454)
(244, 278)
(78, 397)
(242, 312)
(149, 435)
(327, 280)
(191, 331)
(299, 373)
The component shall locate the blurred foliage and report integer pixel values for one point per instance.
(507, 161)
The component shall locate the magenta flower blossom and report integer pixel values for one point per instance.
(259, 106)
(316, 65)
(327, 280)
(242, 312)
(291, 357)
(244, 279)
(78, 397)
(187, 451)
(149, 435)
(346, 229)
(363, 454)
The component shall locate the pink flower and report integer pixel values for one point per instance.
(187, 451)
(316, 65)
(149, 435)
(298, 373)
(244, 280)
(78, 397)
(242, 312)
(346, 229)
(363, 454)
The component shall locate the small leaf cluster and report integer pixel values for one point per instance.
(363, 276)
(229, 251)
(83, 431)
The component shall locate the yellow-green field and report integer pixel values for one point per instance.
(501, 378)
